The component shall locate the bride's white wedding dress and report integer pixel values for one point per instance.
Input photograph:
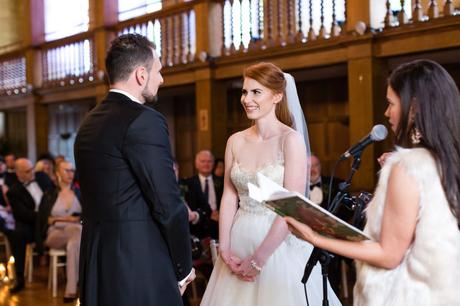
(279, 282)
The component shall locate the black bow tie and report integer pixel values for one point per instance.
(28, 183)
(315, 185)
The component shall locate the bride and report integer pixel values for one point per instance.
(260, 263)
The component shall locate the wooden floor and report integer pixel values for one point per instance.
(35, 293)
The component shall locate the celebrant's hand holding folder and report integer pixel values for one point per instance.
(297, 206)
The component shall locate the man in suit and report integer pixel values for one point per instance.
(135, 247)
(203, 197)
(319, 185)
(10, 174)
(24, 197)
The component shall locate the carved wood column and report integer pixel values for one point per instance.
(102, 14)
(367, 90)
(36, 113)
(211, 112)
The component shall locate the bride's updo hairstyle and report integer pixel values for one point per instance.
(272, 77)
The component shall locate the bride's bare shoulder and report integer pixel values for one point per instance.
(240, 136)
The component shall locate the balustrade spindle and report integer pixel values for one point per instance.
(345, 14)
(81, 48)
(300, 37)
(191, 56)
(291, 21)
(433, 10)
(241, 46)
(232, 29)
(170, 48)
(224, 49)
(45, 68)
(311, 31)
(270, 41)
(402, 16)
(176, 39)
(417, 14)
(388, 16)
(322, 28)
(260, 20)
(252, 44)
(280, 39)
(448, 8)
(164, 42)
(335, 28)
(183, 38)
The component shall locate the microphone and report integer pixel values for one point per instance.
(314, 257)
(378, 133)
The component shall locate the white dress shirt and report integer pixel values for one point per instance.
(36, 193)
(211, 191)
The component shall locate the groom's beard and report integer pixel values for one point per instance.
(148, 95)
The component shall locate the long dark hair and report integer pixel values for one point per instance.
(430, 102)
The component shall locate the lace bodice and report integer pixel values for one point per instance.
(241, 176)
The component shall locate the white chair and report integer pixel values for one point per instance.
(214, 246)
(54, 265)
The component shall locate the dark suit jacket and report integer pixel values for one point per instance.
(325, 188)
(135, 241)
(22, 203)
(196, 200)
(10, 178)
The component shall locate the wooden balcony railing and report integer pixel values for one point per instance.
(68, 61)
(171, 29)
(398, 15)
(260, 24)
(13, 76)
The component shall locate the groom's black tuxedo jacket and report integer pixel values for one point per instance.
(135, 242)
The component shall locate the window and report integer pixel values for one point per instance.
(65, 18)
(128, 9)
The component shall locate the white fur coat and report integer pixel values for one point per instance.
(429, 273)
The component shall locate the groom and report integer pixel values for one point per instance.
(135, 247)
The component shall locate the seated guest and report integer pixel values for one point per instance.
(59, 224)
(319, 185)
(203, 197)
(24, 197)
(219, 167)
(46, 166)
(10, 174)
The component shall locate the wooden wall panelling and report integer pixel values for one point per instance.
(236, 116)
(185, 133)
(367, 91)
(16, 131)
(325, 103)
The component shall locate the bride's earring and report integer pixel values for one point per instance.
(415, 135)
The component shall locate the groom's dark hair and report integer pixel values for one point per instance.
(127, 52)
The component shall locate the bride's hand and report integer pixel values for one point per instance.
(230, 260)
(301, 230)
(249, 269)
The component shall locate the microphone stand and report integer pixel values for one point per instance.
(321, 255)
